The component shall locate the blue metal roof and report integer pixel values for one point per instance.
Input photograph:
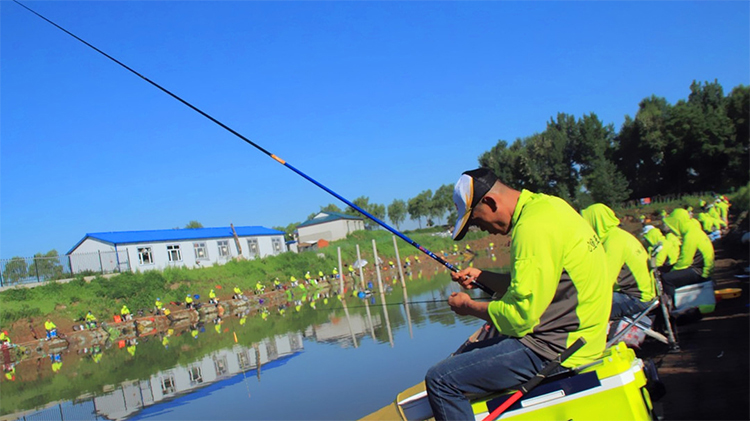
(145, 236)
(332, 216)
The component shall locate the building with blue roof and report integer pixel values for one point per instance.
(145, 250)
(329, 226)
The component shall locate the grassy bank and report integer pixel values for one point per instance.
(105, 296)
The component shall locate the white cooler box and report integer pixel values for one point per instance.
(699, 295)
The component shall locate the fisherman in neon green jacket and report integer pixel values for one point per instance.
(708, 222)
(664, 249)
(627, 262)
(558, 290)
(722, 204)
(696, 261)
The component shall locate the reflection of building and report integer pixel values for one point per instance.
(341, 330)
(122, 401)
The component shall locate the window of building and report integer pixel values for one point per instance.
(174, 253)
(223, 248)
(144, 256)
(243, 359)
(200, 250)
(252, 247)
(196, 375)
(220, 364)
(167, 385)
(276, 244)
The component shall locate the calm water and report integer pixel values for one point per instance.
(320, 360)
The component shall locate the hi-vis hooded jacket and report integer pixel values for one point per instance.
(696, 252)
(627, 259)
(664, 249)
(558, 288)
(708, 222)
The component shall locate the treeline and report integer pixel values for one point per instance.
(697, 145)
(41, 266)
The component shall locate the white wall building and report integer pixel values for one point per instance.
(328, 226)
(158, 249)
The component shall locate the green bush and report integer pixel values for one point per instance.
(16, 295)
(9, 315)
(741, 199)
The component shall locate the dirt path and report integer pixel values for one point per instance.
(709, 379)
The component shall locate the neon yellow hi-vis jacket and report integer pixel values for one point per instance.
(708, 222)
(627, 259)
(716, 214)
(49, 325)
(557, 262)
(664, 249)
(696, 251)
(723, 208)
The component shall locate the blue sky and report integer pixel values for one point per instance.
(381, 99)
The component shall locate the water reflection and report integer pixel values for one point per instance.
(225, 366)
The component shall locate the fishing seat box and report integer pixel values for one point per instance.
(613, 388)
(699, 295)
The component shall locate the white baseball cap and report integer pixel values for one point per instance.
(469, 190)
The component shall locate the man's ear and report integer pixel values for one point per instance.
(490, 202)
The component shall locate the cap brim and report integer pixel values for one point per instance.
(463, 196)
(462, 226)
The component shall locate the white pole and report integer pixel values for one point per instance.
(341, 273)
(361, 275)
(398, 261)
(377, 267)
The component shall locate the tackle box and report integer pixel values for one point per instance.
(700, 295)
(612, 388)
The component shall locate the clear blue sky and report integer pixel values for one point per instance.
(381, 99)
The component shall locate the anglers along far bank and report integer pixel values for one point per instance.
(69, 302)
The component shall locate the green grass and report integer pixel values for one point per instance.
(105, 296)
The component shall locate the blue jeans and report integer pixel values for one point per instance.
(486, 366)
(625, 305)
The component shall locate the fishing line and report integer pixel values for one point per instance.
(416, 302)
(263, 150)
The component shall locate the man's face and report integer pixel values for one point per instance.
(489, 216)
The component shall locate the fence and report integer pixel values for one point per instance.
(39, 269)
(659, 199)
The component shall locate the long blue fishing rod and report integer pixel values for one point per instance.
(263, 150)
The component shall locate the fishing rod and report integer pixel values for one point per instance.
(263, 150)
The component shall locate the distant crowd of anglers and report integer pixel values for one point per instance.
(310, 280)
(683, 256)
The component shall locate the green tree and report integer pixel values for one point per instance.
(419, 206)
(377, 210)
(640, 147)
(397, 212)
(288, 230)
(595, 156)
(698, 131)
(193, 225)
(738, 156)
(441, 202)
(46, 266)
(15, 270)
(327, 208)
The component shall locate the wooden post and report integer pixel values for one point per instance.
(349, 321)
(408, 313)
(385, 313)
(398, 261)
(361, 275)
(341, 273)
(377, 267)
(236, 240)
